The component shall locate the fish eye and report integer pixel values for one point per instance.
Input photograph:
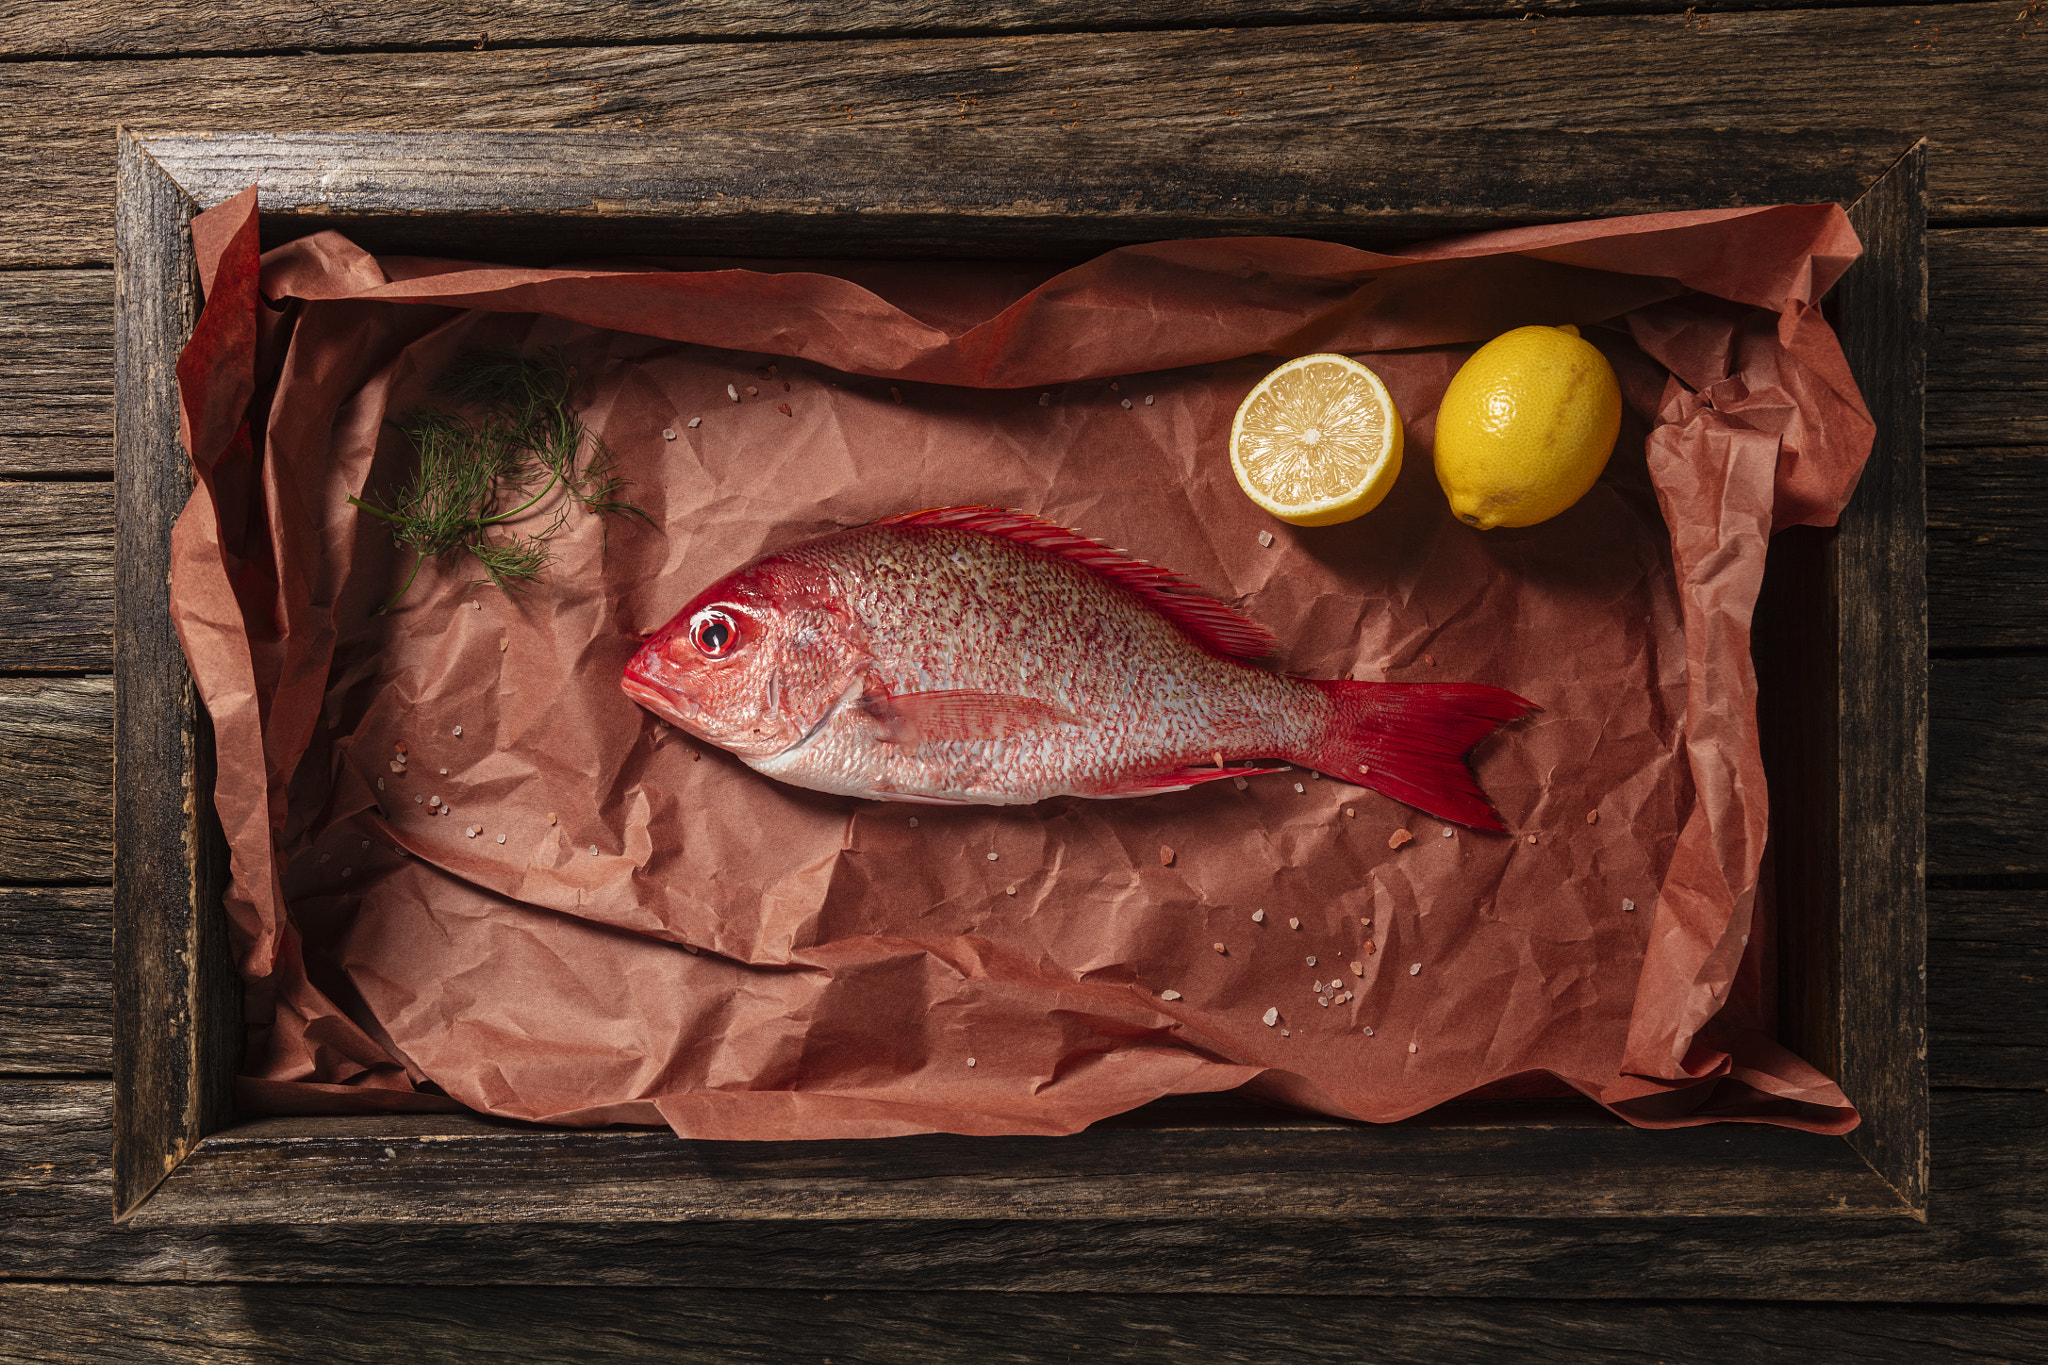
(714, 634)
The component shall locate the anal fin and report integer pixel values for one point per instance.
(1177, 780)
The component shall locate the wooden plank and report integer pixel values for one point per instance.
(1987, 809)
(990, 191)
(1971, 90)
(1987, 347)
(438, 1169)
(56, 778)
(1986, 1240)
(1986, 557)
(1880, 572)
(1987, 988)
(176, 1032)
(56, 1017)
(56, 577)
(53, 1324)
(56, 371)
(100, 29)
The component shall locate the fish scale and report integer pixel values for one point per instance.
(977, 655)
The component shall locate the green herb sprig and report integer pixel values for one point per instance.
(524, 447)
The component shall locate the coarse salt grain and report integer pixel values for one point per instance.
(668, 433)
(1165, 856)
(1219, 948)
(502, 643)
(783, 408)
(366, 845)
(397, 767)
(1315, 988)
(593, 850)
(478, 604)
(402, 748)
(1127, 405)
(1448, 831)
(432, 800)
(1628, 906)
(732, 393)
(1311, 962)
(753, 392)
(1009, 891)
(380, 784)
(1258, 917)
(1324, 1003)
(1399, 837)
(1592, 817)
(348, 872)
(417, 799)
(1429, 659)
(1241, 783)
(1299, 788)
(501, 838)
(458, 734)
(1370, 948)
(913, 822)
(551, 817)
(1315, 777)
(1411, 1047)
(1148, 400)
(991, 857)
(1532, 838)
(1358, 969)
(1113, 387)
(1169, 995)
(1285, 1034)
(696, 422)
(1350, 814)
(472, 831)
(970, 1061)
(1045, 400)
(1265, 538)
(1272, 1016)
(1293, 923)
(1414, 968)
(444, 772)
(1368, 1030)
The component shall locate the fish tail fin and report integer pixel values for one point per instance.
(1409, 741)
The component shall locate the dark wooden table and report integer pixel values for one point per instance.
(1970, 1283)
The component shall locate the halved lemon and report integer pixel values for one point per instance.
(1317, 441)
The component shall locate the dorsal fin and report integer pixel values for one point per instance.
(1206, 621)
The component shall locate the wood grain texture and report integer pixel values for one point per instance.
(176, 995)
(96, 28)
(983, 191)
(441, 1169)
(55, 1324)
(56, 577)
(1970, 88)
(1987, 345)
(1986, 557)
(1986, 1239)
(56, 778)
(57, 1009)
(56, 372)
(1880, 548)
(1987, 808)
(1987, 988)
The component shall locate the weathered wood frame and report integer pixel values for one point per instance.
(1841, 637)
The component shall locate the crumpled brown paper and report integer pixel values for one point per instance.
(645, 931)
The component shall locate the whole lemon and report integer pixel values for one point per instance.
(1526, 427)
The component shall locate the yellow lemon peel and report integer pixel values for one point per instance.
(1526, 427)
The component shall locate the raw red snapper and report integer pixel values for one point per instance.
(971, 655)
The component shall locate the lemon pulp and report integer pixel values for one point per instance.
(1525, 427)
(1317, 441)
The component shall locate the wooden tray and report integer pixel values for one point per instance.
(1840, 644)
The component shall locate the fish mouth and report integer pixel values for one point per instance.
(656, 701)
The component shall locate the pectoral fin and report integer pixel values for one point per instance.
(912, 718)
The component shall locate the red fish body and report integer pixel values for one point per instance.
(974, 655)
